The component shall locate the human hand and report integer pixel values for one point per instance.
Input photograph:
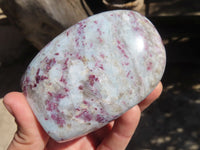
(114, 136)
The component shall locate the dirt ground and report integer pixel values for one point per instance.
(171, 123)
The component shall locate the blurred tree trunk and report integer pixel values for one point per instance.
(42, 20)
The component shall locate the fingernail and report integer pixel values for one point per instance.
(8, 108)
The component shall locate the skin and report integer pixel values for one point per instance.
(114, 136)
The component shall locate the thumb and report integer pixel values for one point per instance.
(30, 134)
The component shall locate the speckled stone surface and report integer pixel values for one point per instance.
(93, 72)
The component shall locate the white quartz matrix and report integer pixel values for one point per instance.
(93, 72)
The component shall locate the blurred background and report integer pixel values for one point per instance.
(173, 121)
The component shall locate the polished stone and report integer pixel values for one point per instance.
(93, 72)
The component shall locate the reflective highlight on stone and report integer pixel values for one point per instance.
(93, 72)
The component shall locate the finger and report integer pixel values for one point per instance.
(96, 137)
(123, 130)
(29, 134)
(151, 97)
(89, 141)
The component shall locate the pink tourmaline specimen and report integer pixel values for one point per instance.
(93, 72)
